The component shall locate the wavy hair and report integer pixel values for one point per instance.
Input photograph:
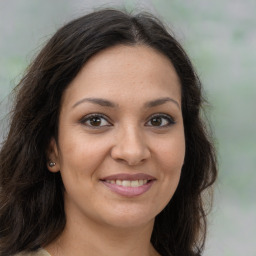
(31, 198)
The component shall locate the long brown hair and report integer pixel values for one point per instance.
(31, 198)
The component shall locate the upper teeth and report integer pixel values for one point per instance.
(128, 183)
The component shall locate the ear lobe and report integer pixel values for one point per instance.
(53, 156)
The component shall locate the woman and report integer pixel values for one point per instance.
(107, 153)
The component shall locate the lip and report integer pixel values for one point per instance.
(129, 191)
(128, 176)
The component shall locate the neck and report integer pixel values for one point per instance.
(90, 238)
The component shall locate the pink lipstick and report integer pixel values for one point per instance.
(129, 184)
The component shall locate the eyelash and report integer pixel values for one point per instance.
(170, 121)
(89, 117)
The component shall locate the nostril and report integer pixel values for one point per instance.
(131, 151)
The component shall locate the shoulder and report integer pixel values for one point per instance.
(40, 252)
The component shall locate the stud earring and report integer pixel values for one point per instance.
(51, 164)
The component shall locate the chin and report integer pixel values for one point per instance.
(131, 223)
(130, 218)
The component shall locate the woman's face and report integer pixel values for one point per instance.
(121, 139)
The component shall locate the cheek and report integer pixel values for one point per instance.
(170, 161)
(172, 153)
(81, 154)
(80, 159)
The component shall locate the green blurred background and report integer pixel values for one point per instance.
(220, 38)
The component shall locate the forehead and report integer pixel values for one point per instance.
(121, 71)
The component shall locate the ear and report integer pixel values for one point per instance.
(52, 153)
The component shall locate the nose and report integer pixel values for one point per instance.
(130, 147)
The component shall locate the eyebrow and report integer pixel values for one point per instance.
(98, 101)
(161, 101)
(107, 103)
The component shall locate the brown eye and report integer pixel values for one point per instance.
(160, 121)
(156, 121)
(95, 121)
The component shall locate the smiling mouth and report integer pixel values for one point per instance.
(129, 185)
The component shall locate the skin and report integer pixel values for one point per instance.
(126, 140)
